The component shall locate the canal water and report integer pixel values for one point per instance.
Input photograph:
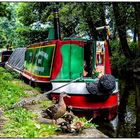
(127, 122)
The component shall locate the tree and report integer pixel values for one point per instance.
(31, 29)
(4, 14)
(72, 21)
(120, 18)
(137, 15)
(75, 18)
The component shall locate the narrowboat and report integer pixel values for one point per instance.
(5, 56)
(77, 66)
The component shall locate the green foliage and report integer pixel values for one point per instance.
(87, 124)
(16, 32)
(10, 93)
(117, 58)
(69, 17)
(134, 48)
(72, 21)
(8, 27)
(4, 11)
(32, 36)
(20, 123)
(5, 75)
(74, 18)
(115, 45)
(26, 9)
(45, 104)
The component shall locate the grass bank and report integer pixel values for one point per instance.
(19, 122)
(23, 122)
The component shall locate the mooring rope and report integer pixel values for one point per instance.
(28, 101)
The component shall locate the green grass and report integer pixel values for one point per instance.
(9, 92)
(20, 123)
(87, 124)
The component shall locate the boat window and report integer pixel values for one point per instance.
(88, 58)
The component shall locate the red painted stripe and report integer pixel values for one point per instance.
(76, 42)
(57, 61)
(86, 102)
(42, 44)
(107, 64)
(28, 75)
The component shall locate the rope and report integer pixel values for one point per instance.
(39, 97)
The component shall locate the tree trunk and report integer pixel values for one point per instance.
(137, 109)
(91, 25)
(114, 31)
(135, 33)
(137, 14)
(103, 20)
(120, 19)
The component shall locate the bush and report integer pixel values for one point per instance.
(117, 59)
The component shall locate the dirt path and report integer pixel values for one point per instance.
(37, 108)
(3, 121)
(86, 133)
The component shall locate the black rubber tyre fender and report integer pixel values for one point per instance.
(103, 87)
(107, 83)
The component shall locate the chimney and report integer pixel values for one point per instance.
(57, 33)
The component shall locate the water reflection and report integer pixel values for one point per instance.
(126, 110)
(127, 123)
(137, 83)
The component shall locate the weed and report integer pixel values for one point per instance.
(87, 124)
(21, 123)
